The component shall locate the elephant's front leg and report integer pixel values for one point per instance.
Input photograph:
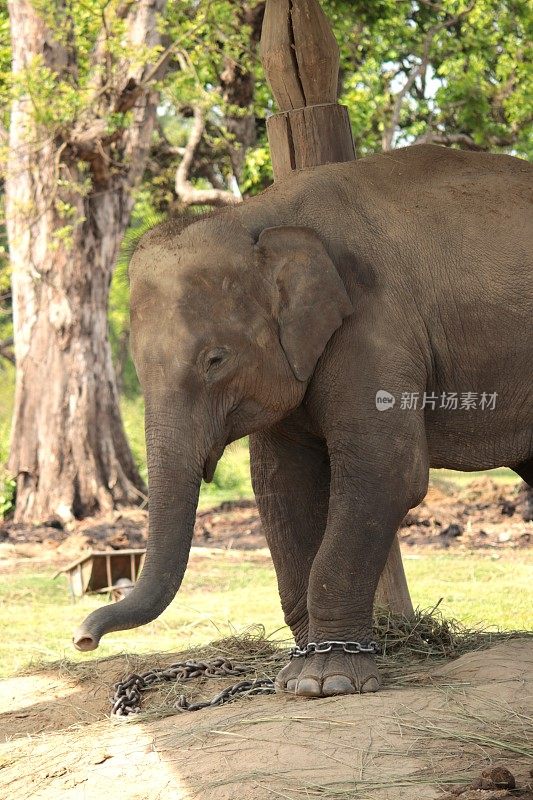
(367, 503)
(290, 474)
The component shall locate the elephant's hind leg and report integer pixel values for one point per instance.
(525, 470)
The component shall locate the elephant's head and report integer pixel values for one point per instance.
(226, 333)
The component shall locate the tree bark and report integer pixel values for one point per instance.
(69, 453)
(68, 448)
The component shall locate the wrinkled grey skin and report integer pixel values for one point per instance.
(282, 318)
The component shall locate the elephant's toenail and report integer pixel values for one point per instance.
(337, 684)
(308, 687)
(370, 685)
(291, 685)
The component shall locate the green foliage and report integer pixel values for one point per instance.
(5, 272)
(7, 382)
(478, 71)
(56, 103)
(232, 477)
(7, 497)
(257, 170)
(132, 409)
(477, 82)
(6, 321)
(475, 86)
(5, 71)
(61, 97)
(144, 217)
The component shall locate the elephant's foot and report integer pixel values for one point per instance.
(327, 674)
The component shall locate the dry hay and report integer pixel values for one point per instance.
(411, 647)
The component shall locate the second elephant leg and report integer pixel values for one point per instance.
(290, 474)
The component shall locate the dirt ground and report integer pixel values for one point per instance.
(416, 741)
(431, 734)
(482, 514)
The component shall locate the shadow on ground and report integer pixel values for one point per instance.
(405, 743)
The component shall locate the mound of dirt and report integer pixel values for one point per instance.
(482, 514)
(411, 742)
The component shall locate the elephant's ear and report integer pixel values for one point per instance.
(310, 299)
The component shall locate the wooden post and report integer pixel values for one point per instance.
(301, 61)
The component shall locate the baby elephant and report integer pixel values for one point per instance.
(363, 322)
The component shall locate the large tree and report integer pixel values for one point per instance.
(450, 71)
(81, 122)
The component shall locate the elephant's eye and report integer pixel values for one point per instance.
(214, 358)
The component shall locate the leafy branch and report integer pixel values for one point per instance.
(186, 192)
(419, 70)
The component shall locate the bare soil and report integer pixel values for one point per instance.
(482, 514)
(431, 737)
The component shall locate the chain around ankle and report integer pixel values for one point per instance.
(327, 647)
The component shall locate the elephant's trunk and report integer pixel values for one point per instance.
(174, 486)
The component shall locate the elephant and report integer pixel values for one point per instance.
(361, 322)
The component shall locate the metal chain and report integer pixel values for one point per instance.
(128, 693)
(257, 686)
(327, 647)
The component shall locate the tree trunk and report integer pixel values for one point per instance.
(69, 453)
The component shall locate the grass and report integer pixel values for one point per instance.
(7, 390)
(228, 592)
(410, 743)
(501, 475)
(220, 593)
(492, 589)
